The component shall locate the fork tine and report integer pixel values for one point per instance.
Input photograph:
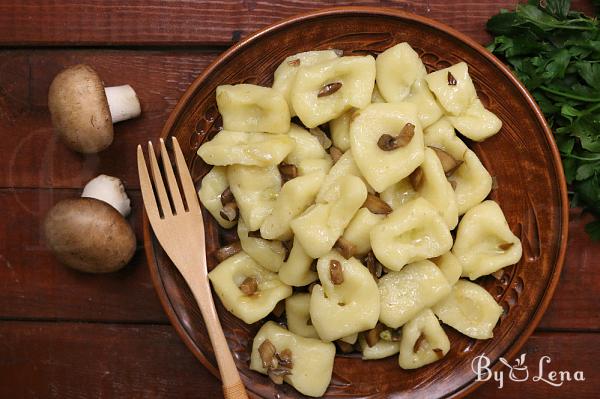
(158, 182)
(146, 185)
(186, 180)
(171, 180)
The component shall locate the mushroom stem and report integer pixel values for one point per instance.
(122, 102)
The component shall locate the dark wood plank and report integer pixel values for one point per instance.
(34, 157)
(68, 360)
(33, 285)
(74, 360)
(142, 22)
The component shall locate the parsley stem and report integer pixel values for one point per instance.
(596, 158)
(569, 95)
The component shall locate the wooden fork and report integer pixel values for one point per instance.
(180, 232)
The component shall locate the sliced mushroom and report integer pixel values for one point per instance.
(451, 79)
(228, 250)
(276, 374)
(329, 89)
(229, 211)
(279, 309)
(226, 197)
(267, 351)
(249, 286)
(287, 171)
(372, 336)
(419, 342)
(285, 358)
(416, 178)
(449, 164)
(375, 268)
(294, 63)
(335, 153)
(335, 272)
(376, 205)
(345, 247)
(387, 142)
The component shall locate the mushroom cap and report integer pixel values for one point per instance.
(89, 235)
(79, 109)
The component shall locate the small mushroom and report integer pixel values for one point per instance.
(451, 79)
(335, 272)
(387, 142)
(449, 164)
(226, 196)
(249, 286)
(329, 89)
(335, 153)
(376, 205)
(267, 351)
(416, 178)
(90, 235)
(287, 171)
(372, 336)
(345, 247)
(228, 250)
(83, 110)
(229, 211)
(276, 374)
(373, 265)
(285, 358)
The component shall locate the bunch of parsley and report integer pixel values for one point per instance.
(556, 54)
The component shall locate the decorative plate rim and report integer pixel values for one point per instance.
(513, 347)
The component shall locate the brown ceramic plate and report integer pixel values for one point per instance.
(523, 158)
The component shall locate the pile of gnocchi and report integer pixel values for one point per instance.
(345, 180)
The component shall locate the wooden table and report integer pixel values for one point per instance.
(65, 334)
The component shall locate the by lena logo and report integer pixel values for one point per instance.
(520, 372)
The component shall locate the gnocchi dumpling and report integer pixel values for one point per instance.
(423, 341)
(258, 149)
(314, 165)
(251, 108)
(213, 185)
(340, 128)
(436, 189)
(297, 311)
(380, 350)
(472, 182)
(453, 88)
(319, 227)
(441, 135)
(399, 194)
(285, 74)
(325, 91)
(358, 231)
(297, 269)
(267, 253)
(345, 166)
(476, 123)
(413, 232)
(307, 146)
(386, 142)
(311, 359)
(255, 190)
(428, 109)
(398, 68)
(347, 300)
(469, 309)
(295, 196)
(240, 270)
(405, 293)
(376, 97)
(484, 242)
(450, 266)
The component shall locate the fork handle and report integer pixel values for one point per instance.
(233, 388)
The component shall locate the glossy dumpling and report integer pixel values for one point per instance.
(450, 266)
(484, 242)
(285, 74)
(356, 74)
(398, 68)
(469, 309)
(258, 149)
(255, 190)
(345, 166)
(399, 194)
(472, 182)
(295, 196)
(405, 293)
(251, 108)
(340, 130)
(454, 98)
(437, 190)
(428, 109)
(267, 253)
(231, 273)
(413, 232)
(339, 310)
(441, 135)
(312, 359)
(297, 269)
(476, 123)
(376, 97)
(380, 350)
(212, 186)
(314, 165)
(319, 227)
(424, 334)
(307, 146)
(358, 231)
(382, 168)
(297, 312)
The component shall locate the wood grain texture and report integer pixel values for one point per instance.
(143, 22)
(33, 285)
(35, 157)
(51, 360)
